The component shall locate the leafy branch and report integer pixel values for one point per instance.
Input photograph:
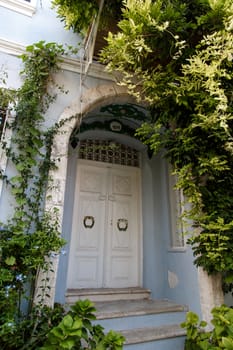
(179, 58)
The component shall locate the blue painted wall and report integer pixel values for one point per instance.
(159, 259)
(43, 25)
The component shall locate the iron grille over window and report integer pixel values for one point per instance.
(108, 152)
(2, 120)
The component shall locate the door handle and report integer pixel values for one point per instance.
(111, 198)
(122, 224)
(88, 221)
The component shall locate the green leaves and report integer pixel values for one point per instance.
(112, 340)
(178, 58)
(31, 234)
(227, 343)
(10, 260)
(77, 15)
(65, 335)
(221, 337)
(76, 331)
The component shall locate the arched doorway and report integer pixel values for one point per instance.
(157, 259)
(106, 233)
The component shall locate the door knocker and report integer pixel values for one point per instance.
(122, 224)
(88, 221)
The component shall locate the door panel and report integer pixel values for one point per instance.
(106, 228)
(123, 236)
(86, 251)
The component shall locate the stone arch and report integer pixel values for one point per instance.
(70, 118)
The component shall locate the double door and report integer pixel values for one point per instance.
(105, 246)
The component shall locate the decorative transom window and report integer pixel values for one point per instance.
(25, 7)
(108, 152)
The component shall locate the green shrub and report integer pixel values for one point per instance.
(76, 331)
(55, 329)
(220, 337)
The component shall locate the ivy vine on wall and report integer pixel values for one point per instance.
(31, 234)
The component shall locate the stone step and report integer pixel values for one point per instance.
(151, 334)
(107, 294)
(146, 324)
(131, 314)
(176, 343)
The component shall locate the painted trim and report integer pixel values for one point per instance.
(11, 48)
(21, 6)
(96, 70)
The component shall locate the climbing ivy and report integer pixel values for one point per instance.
(31, 234)
(178, 56)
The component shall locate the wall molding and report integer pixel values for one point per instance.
(96, 70)
(24, 7)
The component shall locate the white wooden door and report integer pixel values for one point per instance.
(105, 243)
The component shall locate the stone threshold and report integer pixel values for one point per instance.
(107, 294)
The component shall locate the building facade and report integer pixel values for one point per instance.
(117, 206)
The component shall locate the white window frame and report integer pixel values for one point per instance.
(21, 6)
(176, 204)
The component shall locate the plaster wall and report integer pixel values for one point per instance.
(152, 208)
(182, 283)
(43, 25)
(168, 272)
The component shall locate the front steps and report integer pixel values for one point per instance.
(107, 294)
(146, 324)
